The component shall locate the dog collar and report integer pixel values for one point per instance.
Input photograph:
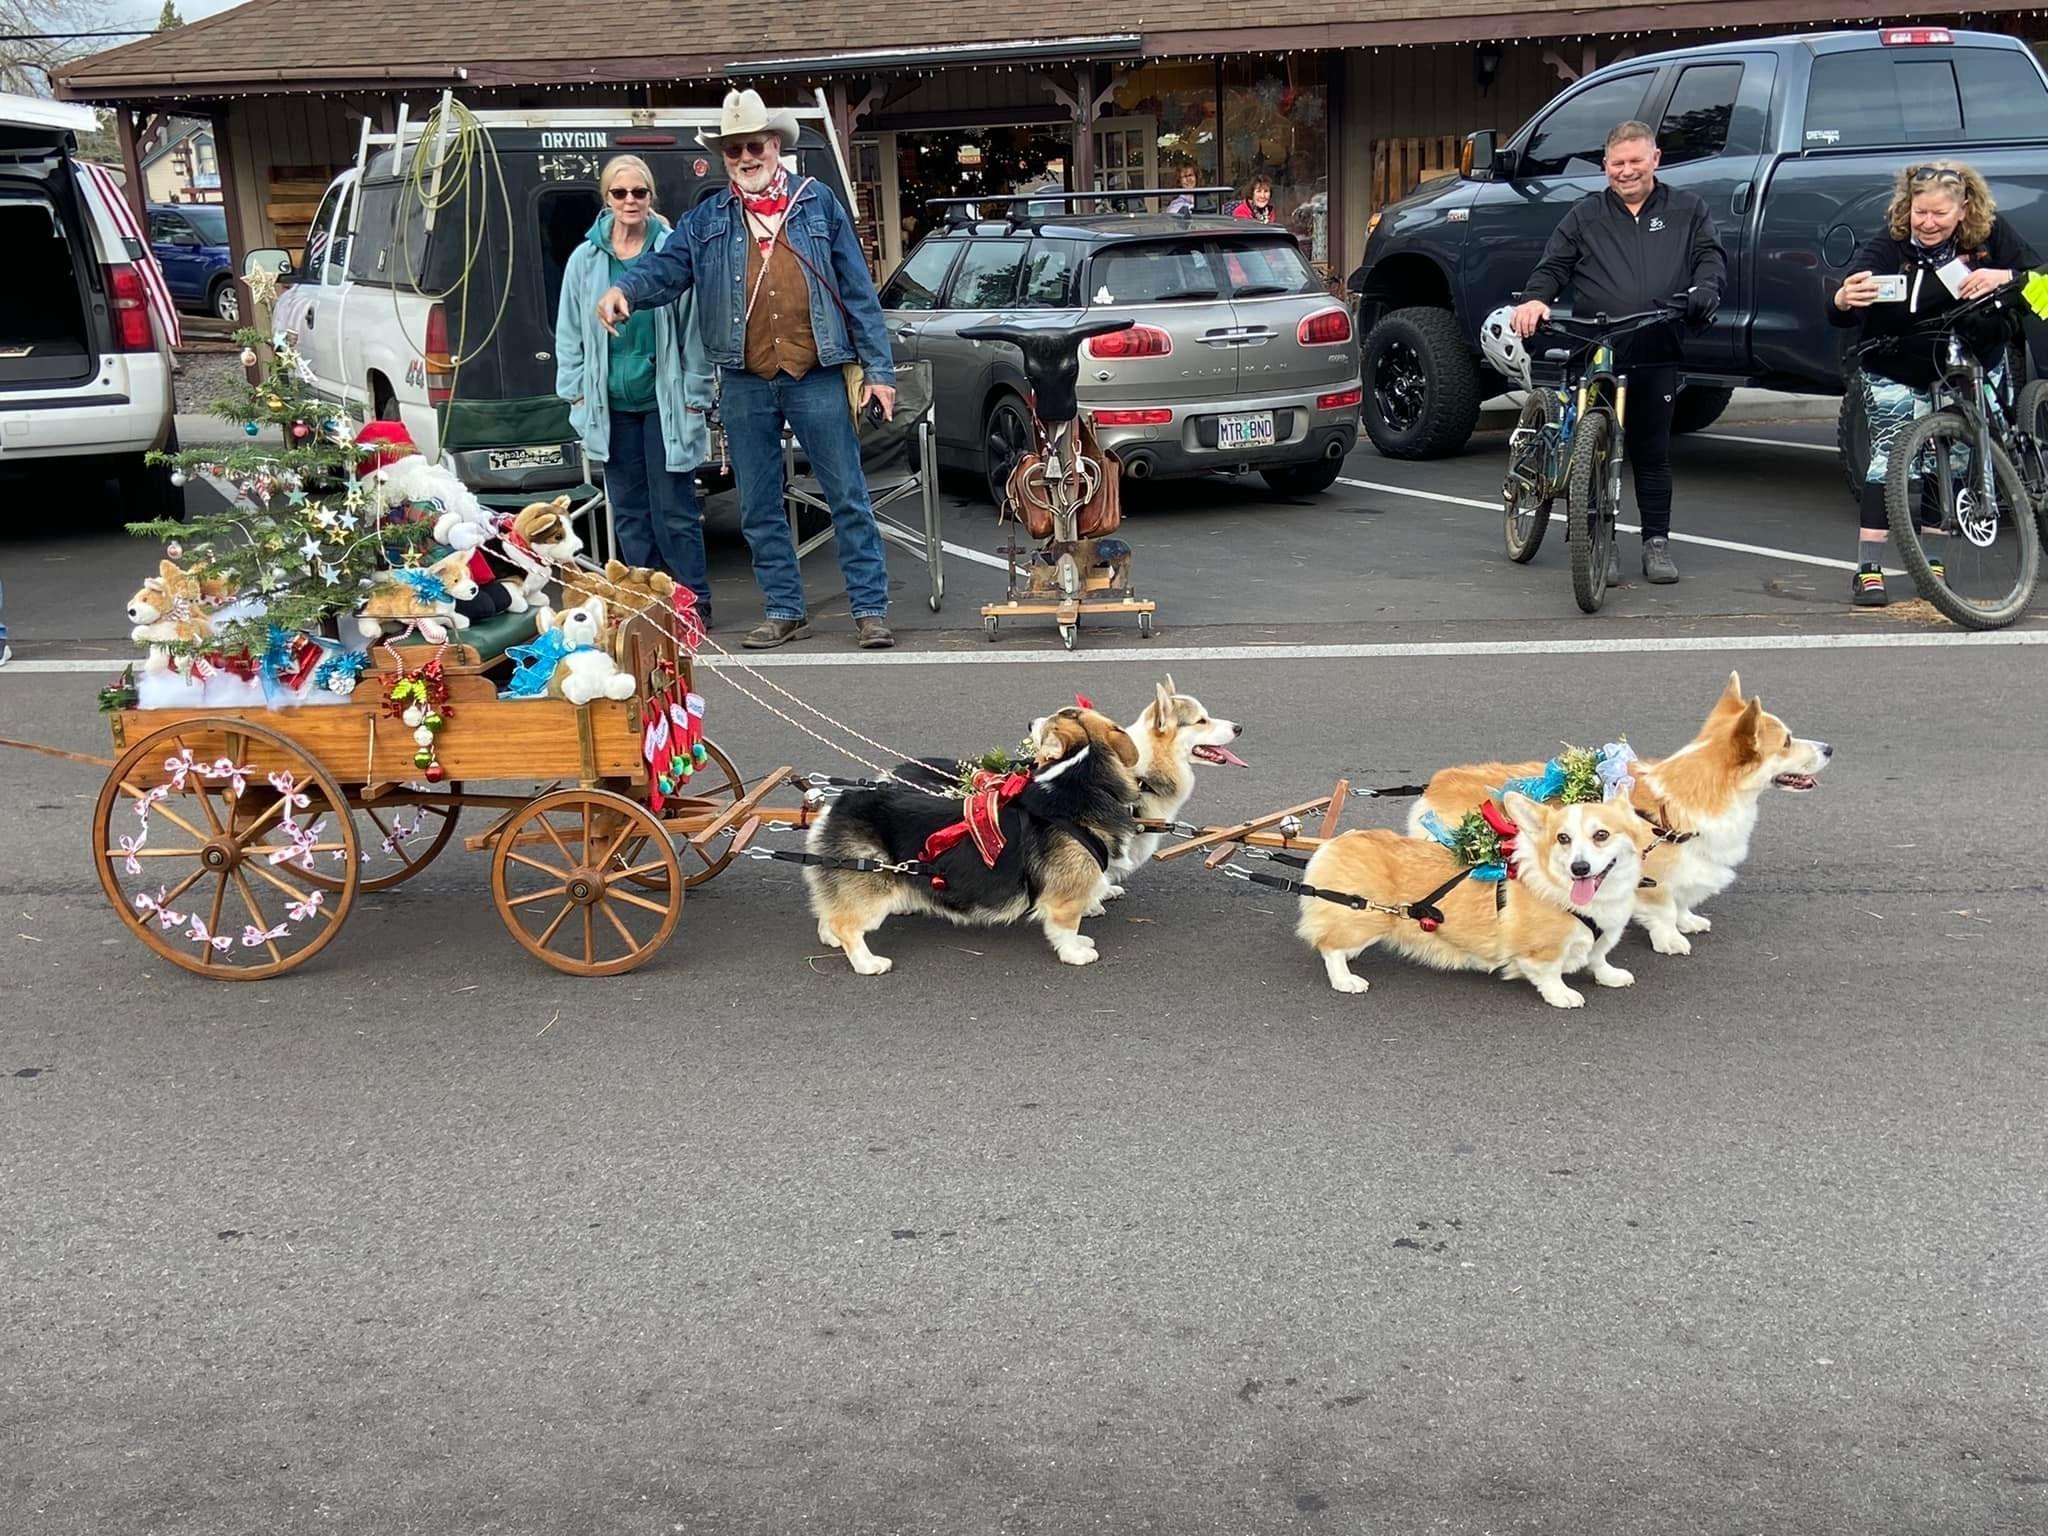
(1661, 825)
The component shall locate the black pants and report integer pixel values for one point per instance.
(1652, 392)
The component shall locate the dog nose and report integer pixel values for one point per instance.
(1236, 730)
(1826, 751)
(1581, 868)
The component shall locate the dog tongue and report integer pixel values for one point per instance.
(1583, 889)
(1221, 755)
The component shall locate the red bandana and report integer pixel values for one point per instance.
(991, 792)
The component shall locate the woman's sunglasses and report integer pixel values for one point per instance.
(620, 194)
(1937, 173)
(749, 149)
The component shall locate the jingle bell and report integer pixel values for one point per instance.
(177, 477)
(1428, 924)
(422, 758)
(436, 773)
(423, 737)
(248, 357)
(413, 715)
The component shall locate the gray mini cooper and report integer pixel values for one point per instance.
(1240, 360)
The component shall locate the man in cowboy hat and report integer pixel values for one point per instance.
(784, 304)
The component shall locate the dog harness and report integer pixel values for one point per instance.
(1661, 825)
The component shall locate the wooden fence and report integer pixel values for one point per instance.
(1399, 166)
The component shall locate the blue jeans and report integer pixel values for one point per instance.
(659, 520)
(754, 410)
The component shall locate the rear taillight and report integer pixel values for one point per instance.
(1343, 399)
(1326, 329)
(1151, 416)
(1914, 37)
(1138, 341)
(130, 300)
(439, 360)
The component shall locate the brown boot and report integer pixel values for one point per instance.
(871, 634)
(770, 633)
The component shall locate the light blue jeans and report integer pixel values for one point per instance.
(754, 410)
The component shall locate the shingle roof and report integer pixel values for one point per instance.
(284, 45)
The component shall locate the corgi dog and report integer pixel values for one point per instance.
(1575, 869)
(1069, 816)
(1701, 804)
(1172, 734)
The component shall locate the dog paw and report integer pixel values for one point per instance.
(1348, 982)
(1669, 941)
(1094, 911)
(1076, 952)
(1614, 976)
(1692, 922)
(1563, 997)
(1113, 893)
(871, 965)
(827, 937)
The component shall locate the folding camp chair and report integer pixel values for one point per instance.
(898, 461)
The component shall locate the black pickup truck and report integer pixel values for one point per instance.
(1792, 142)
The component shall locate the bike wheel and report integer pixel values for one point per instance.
(1989, 555)
(2030, 448)
(1525, 506)
(1589, 521)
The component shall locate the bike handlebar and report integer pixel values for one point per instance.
(1940, 324)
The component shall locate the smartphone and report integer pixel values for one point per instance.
(1891, 290)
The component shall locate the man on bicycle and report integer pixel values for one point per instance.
(1632, 247)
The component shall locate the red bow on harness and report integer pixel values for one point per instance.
(1504, 826)
(989, 794)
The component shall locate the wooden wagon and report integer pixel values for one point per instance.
(234, 842)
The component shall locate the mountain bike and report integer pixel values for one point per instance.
(1971, 478)
(1568, 442)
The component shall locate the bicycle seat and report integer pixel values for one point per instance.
(1052, 356)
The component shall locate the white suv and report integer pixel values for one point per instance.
(85, 366)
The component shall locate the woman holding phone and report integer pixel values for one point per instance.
(1943, 245)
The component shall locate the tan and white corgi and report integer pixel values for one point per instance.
(1575, 871)
(1701, 803)
(1172, 734)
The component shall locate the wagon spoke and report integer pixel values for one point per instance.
(212, 819)
(256, 917)
(548, 932)
(242, 837)
(183, 886)
(617, 842)
(153, 853)
(206, 950)
(547, 869)
(589, 929)
(638, 869)
(624, 932)
(163, 810)
(289, 889)
(549, 828)
(553, 890)
(637, 901)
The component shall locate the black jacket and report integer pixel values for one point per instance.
(1619, 263)
(1913, 362)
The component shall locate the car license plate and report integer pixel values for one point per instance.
(526, 458)
(1245, 431)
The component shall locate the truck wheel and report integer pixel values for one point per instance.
(1421, 385)
(1852, 434)
(147, 494)
(1698, 407)
(222, 302)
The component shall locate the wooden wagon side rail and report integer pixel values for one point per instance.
(1257, 831)
(746, 807)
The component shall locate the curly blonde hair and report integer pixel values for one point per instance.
(1978, 204)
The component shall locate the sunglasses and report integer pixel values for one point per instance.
(747, 149)
(1937, 173)
(620, 194)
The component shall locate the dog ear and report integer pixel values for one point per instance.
(1162, 702)
(1525, 813)
(1746, 723)
(1120, 743)
(1731, 696)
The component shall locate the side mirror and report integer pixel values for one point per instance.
(270, 259)
(1475, 160)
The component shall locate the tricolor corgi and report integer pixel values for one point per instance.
(1700, 803)
(1575, 869)
(1039, 848)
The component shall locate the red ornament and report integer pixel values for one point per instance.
(1427, 924)
(436, 773)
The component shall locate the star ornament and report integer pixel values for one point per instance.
(311, 548)
(262, 285)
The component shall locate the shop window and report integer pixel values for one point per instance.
(1276, 124)
(1181, 101)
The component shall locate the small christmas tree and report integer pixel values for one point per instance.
(303, 538)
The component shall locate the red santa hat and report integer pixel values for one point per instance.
(389, 442)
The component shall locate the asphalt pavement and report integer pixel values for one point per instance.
(426, 1238)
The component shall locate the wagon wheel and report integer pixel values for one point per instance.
(561, 879)
(718, 784)
(400, 840)
(212, 877)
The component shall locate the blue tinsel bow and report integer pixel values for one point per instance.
(1547, 785)
(425, 583)
(534, 663)
(1433, 825)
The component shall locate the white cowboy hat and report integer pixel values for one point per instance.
(745, 114)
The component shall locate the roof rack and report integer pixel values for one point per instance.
(1015, 208)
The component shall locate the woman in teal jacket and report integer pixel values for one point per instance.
(637, 399)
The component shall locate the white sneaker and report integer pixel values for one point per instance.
(6, 653)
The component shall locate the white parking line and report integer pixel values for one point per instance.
(1767, 551)
(1387, 650)
(1767, 442)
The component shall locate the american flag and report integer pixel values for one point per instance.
(160, 304)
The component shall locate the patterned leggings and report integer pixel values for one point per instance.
(1890, 407)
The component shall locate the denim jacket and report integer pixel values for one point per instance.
(682, 377)
(708, 253)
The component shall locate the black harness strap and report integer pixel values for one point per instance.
(909, 868)
(1660, 824)
(1303, 888)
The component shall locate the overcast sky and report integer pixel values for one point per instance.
(140, 13)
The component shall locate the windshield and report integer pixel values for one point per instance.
(1190, 271)
(212, 223)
